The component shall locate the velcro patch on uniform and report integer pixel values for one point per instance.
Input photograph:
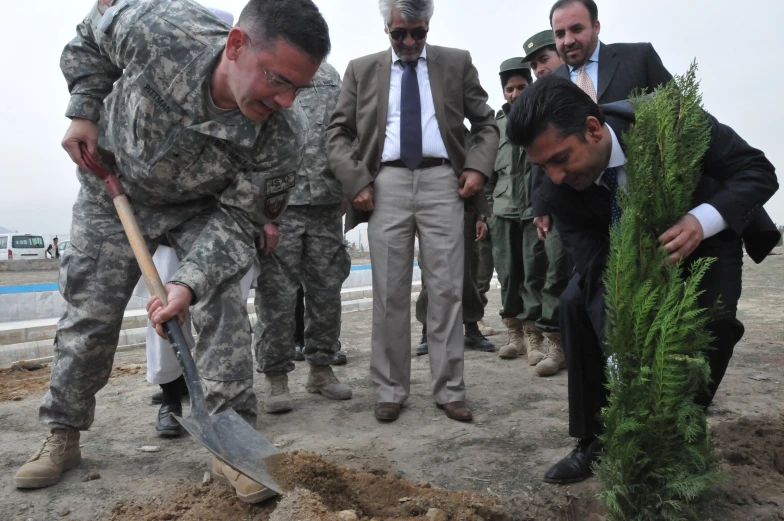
(275, 206)
(103, 5)
(280, 184)
(109, 12)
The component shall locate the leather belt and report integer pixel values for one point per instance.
(428, 162)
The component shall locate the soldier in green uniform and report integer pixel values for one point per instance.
(195, 112)
(528, 308)
(309, 255)
(541, 55)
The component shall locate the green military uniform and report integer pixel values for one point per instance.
(538, 41)
(202, 179)
(485, 267)
(310, 253)
(532, 274)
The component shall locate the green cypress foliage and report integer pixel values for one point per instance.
(658, 462)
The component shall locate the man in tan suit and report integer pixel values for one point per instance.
(413, 171)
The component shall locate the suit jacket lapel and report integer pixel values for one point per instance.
(608, 64)
(383, 76)
(435, 71)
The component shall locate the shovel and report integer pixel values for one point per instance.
(225, 434)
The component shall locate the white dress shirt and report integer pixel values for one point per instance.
(432, 144)
(591, 69)
(709, 217)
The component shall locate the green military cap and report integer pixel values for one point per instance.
(536, 42)
(513, 64)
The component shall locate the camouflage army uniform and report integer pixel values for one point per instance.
(202, 179)
(310, 252)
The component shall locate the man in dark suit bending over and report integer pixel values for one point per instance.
(578, 146)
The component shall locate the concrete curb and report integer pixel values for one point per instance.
(134, 332)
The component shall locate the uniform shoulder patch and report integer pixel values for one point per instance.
(103, 5)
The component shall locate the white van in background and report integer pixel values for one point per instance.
(21, 246)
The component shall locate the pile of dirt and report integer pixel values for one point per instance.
(323, 491)
(22, 379)
(752, 449)
(31, 379)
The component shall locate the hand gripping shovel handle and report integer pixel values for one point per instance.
(143, 257)
(225, 434)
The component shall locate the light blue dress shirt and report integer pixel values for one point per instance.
(591, 68)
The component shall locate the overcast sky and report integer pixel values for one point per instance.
(732, 42)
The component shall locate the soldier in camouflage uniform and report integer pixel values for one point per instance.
(310, 254)
(194, 112)
(529, 306)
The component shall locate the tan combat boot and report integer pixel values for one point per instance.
(514, 348)
(246, 489)
(276, 393)
(533, 342)
(555, 360)
(486, 330)
(322, 380)
(59, 452)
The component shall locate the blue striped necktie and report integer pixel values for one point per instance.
(610, 180)
(410, 118)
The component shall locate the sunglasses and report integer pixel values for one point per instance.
(417, 33)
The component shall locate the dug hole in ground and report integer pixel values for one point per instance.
(340, 464)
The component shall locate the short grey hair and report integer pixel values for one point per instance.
(410, 10)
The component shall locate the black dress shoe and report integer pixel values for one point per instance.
(298, 355)
(168, 427)
(157, 398)
(577, 465)
(475, 340)
(422, 347)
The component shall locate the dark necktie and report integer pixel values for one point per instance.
(410, 118)
(610, 179)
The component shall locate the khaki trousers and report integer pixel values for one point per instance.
(424, 201)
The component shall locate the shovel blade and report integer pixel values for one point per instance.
(235, 442)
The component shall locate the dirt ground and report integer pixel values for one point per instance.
(349, 466)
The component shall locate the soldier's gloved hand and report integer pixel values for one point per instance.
(81, 131)
(179, 297)
(270, 235)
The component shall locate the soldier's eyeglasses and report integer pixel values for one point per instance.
(274, 82)
(417, 33)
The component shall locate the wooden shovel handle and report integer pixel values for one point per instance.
(128, 219)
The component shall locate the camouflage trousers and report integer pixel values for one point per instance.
(311, 255)
(97, 276)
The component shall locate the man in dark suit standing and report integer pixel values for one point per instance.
(412, 172)
(577, 144)
(613, 70)
(606, 72)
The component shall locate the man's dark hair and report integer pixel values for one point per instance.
(551, 100)
(593, 10)
(524, 72)
(297, 22)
